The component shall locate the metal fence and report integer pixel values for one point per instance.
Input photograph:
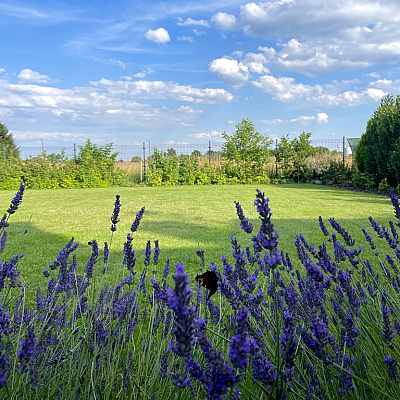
(146, 149)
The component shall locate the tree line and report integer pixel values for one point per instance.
(247, 156)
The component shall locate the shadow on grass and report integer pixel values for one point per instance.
(179, 242)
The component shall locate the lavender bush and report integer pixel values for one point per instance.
(324, 326)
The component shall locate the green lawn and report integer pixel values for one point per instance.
(183, 218)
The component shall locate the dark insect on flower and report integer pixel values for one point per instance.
(210, 281)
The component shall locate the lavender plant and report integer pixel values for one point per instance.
(325, 325)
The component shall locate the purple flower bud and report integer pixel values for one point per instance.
(114, 217)
(245, 224)
(136, 222)
(17, 200)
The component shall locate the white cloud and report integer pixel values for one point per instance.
(314, 39)
(186, 39)
(142, 74)
(118, 63)
(159, 35)
(105, 103)
(163, 90)
(231, 71)
(27, 75)
(193, 22)
(320, 118)
(224, 21)
(286, 90)
(215, 135)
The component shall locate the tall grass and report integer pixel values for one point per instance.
(324, 326)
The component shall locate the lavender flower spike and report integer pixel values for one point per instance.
(245, 224)
(395, 202)
(17, 200)
(114, 217)
(178, 301)
(27, 348)
(136, 222)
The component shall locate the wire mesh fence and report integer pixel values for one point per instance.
(131, 152)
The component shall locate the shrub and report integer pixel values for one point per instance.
(329, 329)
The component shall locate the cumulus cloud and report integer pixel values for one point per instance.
(163, 90)
(214, 135)
(237, 71)
(159, 35)
(287, 90)
(27, 75)
(106, 103)
(224, 21)
(337, 36)
(231, 71)
(192, 22)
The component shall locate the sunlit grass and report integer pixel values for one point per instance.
(183, 218)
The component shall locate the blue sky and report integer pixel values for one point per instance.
(177, 71)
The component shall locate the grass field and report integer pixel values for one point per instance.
(326, 331)
(183, 218)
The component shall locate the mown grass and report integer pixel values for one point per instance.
(183, 218)
(60, 348)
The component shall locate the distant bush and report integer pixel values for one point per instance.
(94, 166)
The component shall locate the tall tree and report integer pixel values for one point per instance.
(7, 143)
(245, 152)
(378, 152)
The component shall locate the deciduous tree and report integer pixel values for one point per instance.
(246, 152)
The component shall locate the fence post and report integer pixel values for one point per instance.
(276, 159)
(209, 152)
(343, 150)
(144, 161)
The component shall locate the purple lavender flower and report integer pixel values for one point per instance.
(179, 302)
(3, 241)
(17, 200)
(338, 228)
(156, 252)
(166, 269)
(4, 320)
(368, 238)
(164, 363)
(136, 222)
(200, 253)
(114, 217)
(395, 202)
(388, 332)
(245, 224)
(147, 254)
(106, 252)
(267, 237)
(3, 222)
(240, 344)
(92, 259)
(219, 376)
(391, 363)
(129, 253)
(27, 350)
(288, 342)
(322, 226)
